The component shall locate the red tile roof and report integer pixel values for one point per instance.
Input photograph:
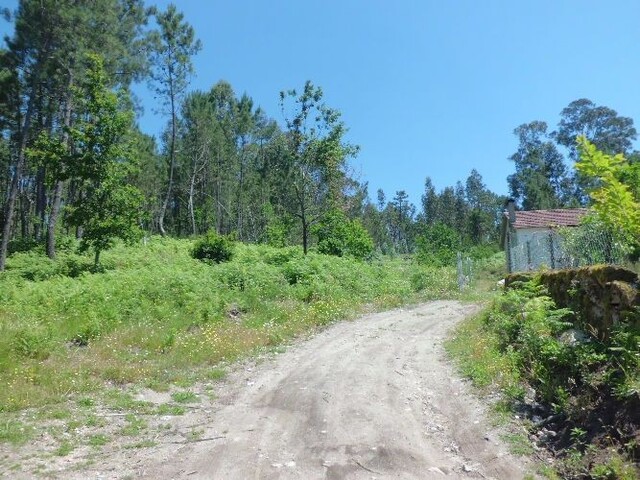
(569, 217)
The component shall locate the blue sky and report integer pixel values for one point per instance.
(427, 88)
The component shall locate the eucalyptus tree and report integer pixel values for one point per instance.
(429, 199)
(197, 145)
(484, 208)
(601, 125)
(540, 179)
(171, 48)
(400, 216)
(609, 132)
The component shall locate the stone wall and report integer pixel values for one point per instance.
(601, 295)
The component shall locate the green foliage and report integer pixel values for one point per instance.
(615, 201)
(157, 317)
(15, 432)
(213, 247)
(99, 160)
(523, 339)
(276, 230)
(316, 155)
(594, 242)
(540, 179)
(339, 236)
(438, 245)
(185, 397)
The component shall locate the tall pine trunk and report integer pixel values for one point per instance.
(172, 160)
(17, 176)
(57, 191)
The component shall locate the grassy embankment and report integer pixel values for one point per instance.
(579, 395)
(156, 318)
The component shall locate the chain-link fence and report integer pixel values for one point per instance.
(465, 270)
(566, 248)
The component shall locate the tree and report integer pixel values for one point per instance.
(99, 158)
(616, 202)
(171, 49)
(339, 236)
(602, 126)
(483, 208)
(316, 154)
(429, 212)
(438, 245)
(45, 55)
(399, 214)
(540, 180)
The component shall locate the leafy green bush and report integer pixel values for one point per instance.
(592, 383)
(213, 247)
(339, 236)
(437, 245)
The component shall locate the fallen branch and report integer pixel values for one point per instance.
(206, 439)
(364, 468)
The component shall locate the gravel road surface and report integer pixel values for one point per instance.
(373, 398)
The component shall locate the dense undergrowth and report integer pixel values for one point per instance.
(580, 395)
(153, 316)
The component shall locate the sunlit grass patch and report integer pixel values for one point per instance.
(158, 318)
(481, 359)
(185, 397)
(15, 432)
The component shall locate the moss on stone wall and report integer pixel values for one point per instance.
(599, 295)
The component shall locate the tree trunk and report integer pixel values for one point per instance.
(53, 219)
(172, 160)
(305, 236)
(41, 203)
(57, 192)
(217, 196)
(191, 212)
(240, 191)
(17, 176)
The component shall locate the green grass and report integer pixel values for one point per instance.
(517, 348)
(15, 432)
(185, 397)
(156, 317)
(518, 443)
(98, 440)
(168, 409)
(64, 449)
(135, 426)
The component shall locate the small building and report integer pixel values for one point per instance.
(531, 240)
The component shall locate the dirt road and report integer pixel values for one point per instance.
(369, 399)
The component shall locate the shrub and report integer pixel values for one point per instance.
(438, 245)
(213, 247)
(339, 236)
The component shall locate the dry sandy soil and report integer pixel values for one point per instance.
(373, 398)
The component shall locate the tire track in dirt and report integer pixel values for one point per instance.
(370, 399)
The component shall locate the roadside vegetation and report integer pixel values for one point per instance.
(77, 340)
(579, 396)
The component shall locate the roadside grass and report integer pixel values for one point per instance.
(77, 345)
(579, 400)
(15, 432)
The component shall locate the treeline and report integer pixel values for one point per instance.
(542, 178)
(75, 162)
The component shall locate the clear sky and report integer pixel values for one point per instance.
(426, 87)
